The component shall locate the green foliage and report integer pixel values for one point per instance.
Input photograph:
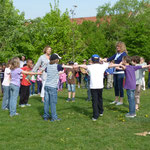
(29, 37)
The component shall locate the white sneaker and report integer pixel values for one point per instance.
(119, 103)
(22, 105)
(28, 104)
(114, 102)
(93, 119)
(101, 115)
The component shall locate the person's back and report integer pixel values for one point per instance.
(52, 75)
(96, 75)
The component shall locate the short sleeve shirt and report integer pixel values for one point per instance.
(96, 72)
(15, 76)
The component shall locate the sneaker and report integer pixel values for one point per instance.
(130, 116)
(68, 100)
(119, 103)
(73, 99)
(5, 109)
(114, 102)
(93, 119)
(22, 105)
(101, 115)
(16, 114)
(28, 105)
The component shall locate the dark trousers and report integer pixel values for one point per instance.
(97, 102)
(24, 94)
(39, 86)
(118, 84)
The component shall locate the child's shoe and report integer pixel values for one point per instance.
(128, 115)
(114, 102)
(22, 105)
(73, 99)
(28, 104)
(93, 119)
(119, 103)
(68, 100)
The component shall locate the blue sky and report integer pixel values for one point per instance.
(38, 8)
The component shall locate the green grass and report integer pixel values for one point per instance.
(76, 131)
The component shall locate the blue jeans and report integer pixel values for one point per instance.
(71, 87)
(32, 88)
(131, 100)
(50, 99)
(118, 84)
(6, 97)
(14, 92)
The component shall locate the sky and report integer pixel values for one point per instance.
(38, 8)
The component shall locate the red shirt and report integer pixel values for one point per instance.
(25, 81)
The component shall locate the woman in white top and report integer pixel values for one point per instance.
(42, 62)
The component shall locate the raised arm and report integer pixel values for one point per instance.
(66, 66)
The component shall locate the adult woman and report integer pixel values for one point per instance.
(42, 63)
(118, 74)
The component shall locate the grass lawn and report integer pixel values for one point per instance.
(76, 131)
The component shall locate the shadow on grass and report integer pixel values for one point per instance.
(116, 108)
(82, 110)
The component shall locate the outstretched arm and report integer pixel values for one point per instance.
(146, 66)
(31, 73)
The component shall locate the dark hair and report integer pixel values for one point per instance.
(136, 59)
(29, 60)
(54, 61)
(127, 59)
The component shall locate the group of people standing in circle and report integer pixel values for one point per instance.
(50, 70)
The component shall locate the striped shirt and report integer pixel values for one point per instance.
(53, 75)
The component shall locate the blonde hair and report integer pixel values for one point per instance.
(45, 49)
(122, 46)
(15, 63)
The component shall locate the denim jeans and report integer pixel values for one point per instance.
(71, 87)
(118, 84)
(14, 92)
(39, 86)
(6, 97)
(32, 88)
(131, 100)
(50, 99)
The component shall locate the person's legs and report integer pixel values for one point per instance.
(149, 80)
(137, 96)
(69, 92)
(22, 95)
(14, 92)
(53, 102)
(46, 103)
(116, 86)
(6, 97)
(33, 88)
(42, 91)
(120, 86)
(26, 98)
(94, 93)
(100, 101)
(131, 100)
(108, 81)
(89, 91)
(73, 86)
(38, 87)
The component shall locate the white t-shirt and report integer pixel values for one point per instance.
(22, 63)
(96, 72)
(6, 80)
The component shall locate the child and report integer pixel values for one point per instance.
(96, 71)
(71, 82)
(139, 78)
(15, 84)
(50, 96)
(130, 83)
(25, 85)
(6, 87)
